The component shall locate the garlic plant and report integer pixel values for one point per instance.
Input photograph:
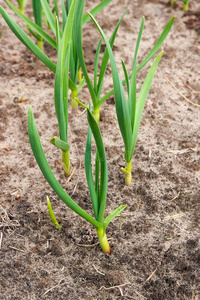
(129, 110)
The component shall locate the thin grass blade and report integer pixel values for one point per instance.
(58, 38)
(51, 213)
(89, 175)
(65, 89)
(60, 96)
(74, 59)
(157, 45)
(74, 64)
(67, 41)
(125, 75)
(106, 56)
(33, 33)
(97, 170)
(112, 215)
(78, 35)
(96, 61)
(61, 79)
(142, 98)
(59, 87)
(81, 84)
(96, 10)
(133, 89)
(103, 163)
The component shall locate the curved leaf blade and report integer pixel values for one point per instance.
(61, 79)
(96, 61)
(59, 143)
(133, 89)
(105, 59)
(125, 75)
(157, 46)
(48, 174)
(78, 35)
(103, 163)
(96, 10)
(24, 38)
(112, 215)
(49, 15)
(51, 213)
(142, 98)
(32, 25)
(89, 175)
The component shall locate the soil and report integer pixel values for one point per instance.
(155, 244)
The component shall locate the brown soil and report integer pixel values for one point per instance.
(155, 245)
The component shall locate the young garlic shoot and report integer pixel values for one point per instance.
(129, 111)
(51, 213)
(186, 4)
(95, 88)
(61, 88)
(98, 198)
(74, 67)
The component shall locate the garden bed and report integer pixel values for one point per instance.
(155, 243)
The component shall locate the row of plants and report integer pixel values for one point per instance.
(71, 73)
